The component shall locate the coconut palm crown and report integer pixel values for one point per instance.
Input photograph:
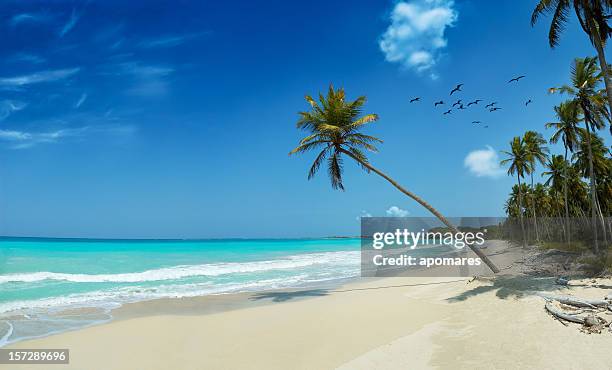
(334, 125)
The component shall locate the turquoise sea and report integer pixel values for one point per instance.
(53, 285)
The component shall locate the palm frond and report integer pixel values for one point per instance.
(317, 163)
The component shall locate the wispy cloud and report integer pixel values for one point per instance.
(416, 34)
(24, 139)
(8, 107)
(38, 77)
(26, 57)
(147, 80)
(167, 41)
(483, 163)
(395, 211)
(81, 100)
(69, 25)
(21, 18)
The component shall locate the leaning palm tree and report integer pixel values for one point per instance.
(593, 18)
(334, 125)
(585, 77)
(518, 159)
(568, 114)
(537, 153)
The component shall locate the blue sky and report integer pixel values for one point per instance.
(174, 119)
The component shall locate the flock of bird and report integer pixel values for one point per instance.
(459, 104)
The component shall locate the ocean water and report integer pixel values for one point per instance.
(53, 285)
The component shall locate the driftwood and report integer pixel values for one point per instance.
(562, 315)
(576, 301)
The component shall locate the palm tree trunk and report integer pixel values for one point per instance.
(591, 179)
(520, 210)
(603, 65)
(601, 54)
(535, 218)
(431, 209)
(565, 177)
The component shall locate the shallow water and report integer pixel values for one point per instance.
(53, 285)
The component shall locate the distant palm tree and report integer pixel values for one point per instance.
(518, 159)
(593, 18)
(557, 180)
(537, 153)
(585, 78)
(334, 124)
(568, 114)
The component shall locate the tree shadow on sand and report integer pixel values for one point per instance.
(511, 287)
(285, 296)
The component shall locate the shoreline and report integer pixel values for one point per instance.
(381, 323)
(388, 323)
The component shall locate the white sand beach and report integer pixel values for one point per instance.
(390, 323)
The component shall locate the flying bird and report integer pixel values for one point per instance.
(458, 102)
(490, 105)
(418, 98)
(528, 102)
(457, 88)
(486, 126)
(461, 107)
(448, 112)
(474, 102)
(476, 122)
(516, 79)
(494, 109)
(438, 103)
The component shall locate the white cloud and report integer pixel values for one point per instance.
(8, 107)
(363, 214)
(38, 77)
(26, 57)
(147, 80)
(20, 18)
(69, 25)
(416, 34)
(80, 101)
(169, 40)
(24, 139)
(395, 211)
(483, 163)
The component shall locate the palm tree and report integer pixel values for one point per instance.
(537, 153)
(334, 124)
(518, 158)
(568, 114)
(557, 180)
(585, 78)
(601, 168)
(593, 18)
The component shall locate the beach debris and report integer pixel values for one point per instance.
(578, 310)
(562, 280)
(561, 314)
(575, 301)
